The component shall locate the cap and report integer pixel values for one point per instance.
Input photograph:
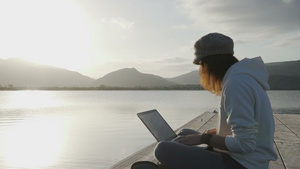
(212, 44)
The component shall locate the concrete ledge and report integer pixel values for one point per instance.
(286, 141)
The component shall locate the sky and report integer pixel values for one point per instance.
(96, 37)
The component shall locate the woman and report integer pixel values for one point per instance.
(245, 133)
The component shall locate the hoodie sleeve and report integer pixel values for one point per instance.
(239, 106)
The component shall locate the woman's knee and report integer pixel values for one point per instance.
(162, 149)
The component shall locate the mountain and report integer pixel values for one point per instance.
(290, 68)
(130, 77)
(20, 73)
(191, 78)
(284, 75)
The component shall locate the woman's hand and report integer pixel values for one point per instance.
(191, 140)
(211, 131)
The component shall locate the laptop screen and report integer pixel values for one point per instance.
(156, 124)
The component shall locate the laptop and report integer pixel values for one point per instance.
(157, 125)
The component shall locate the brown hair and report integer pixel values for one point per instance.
(213, 69)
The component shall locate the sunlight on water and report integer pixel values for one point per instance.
(31, 99)
(32, 144)
(33, 141)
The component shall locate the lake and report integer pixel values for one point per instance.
(95, 129)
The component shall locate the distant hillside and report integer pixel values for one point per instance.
(20, 73)
(191, 78)
(284, 75)
(290, 68)
(130, 77)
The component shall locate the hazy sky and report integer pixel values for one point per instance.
(95, 37)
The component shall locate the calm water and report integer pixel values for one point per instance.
(95, 129)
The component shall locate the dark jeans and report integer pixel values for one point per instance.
(179, 156)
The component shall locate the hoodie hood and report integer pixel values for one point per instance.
(254, 67)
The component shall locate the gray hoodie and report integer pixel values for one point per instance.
(246, 117)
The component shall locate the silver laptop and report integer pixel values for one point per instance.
(157, 125)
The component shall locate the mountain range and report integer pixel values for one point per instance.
(22, 74)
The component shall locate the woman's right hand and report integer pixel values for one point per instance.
(211, 131)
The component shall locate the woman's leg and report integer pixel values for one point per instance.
(178, 156)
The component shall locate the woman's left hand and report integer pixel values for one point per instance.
(191, 140)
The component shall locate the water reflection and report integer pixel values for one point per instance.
(32, 144)
(31, 99)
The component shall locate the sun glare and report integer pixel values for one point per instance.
(32, 144)
(32, 100)
(52, 32)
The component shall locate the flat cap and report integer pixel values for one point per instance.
(212, 44)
